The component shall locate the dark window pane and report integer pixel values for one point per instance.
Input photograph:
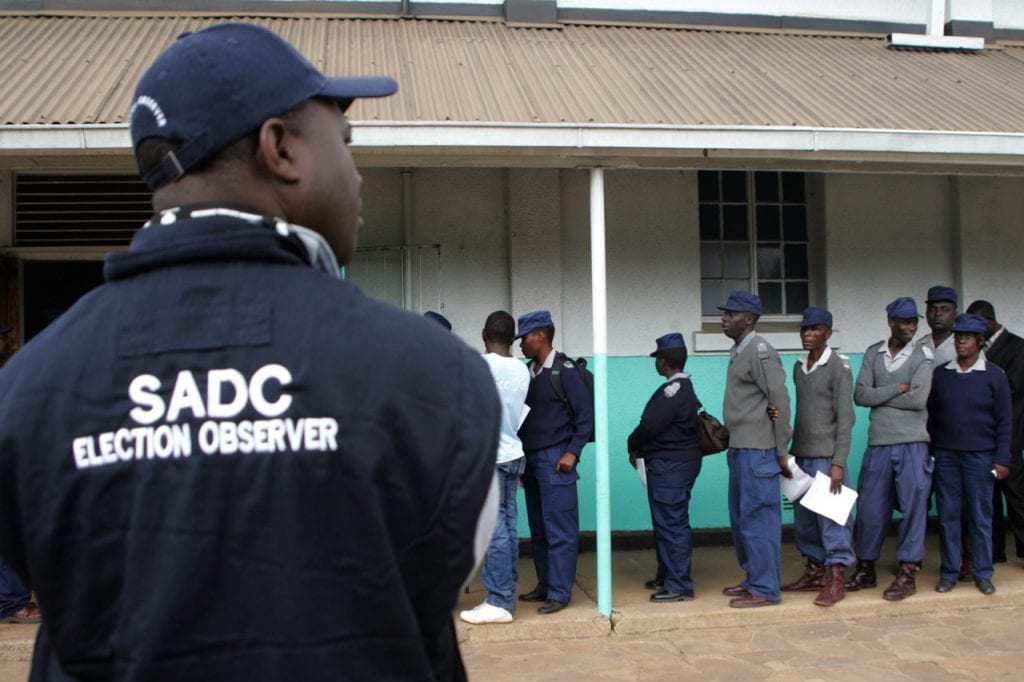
(736, 261)
(707, 183)
(734, 285)
(734, 186)
(711, 260)
(769, 261)
(768, 224)
(793, 188)
(766, 186)
(734, 223)
(796, 261)
(794, 223)
(709, 228)
(711, 296)
(796, 297)
(771, 297)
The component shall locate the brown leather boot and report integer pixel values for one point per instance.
(833, 590)
(904, 585)
(863, 577)
(812, 580)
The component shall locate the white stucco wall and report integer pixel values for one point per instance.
(992, 225)
(911, 11)
(888, 236)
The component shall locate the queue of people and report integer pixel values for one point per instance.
(945, 419)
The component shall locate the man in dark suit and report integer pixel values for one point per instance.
(1006, 350)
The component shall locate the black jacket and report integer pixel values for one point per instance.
(223, 464)
(1008, 354)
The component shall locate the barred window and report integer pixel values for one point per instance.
(754, 235)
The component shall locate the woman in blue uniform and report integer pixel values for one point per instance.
(969, 420)
(667, 440)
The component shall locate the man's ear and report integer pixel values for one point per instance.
(278, 150)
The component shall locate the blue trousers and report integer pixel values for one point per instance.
(891, 473)
(14, 596)
(499, 573)
(963, 494)
(819, 537)
(669, 484)
(552, 509)
(755, 515)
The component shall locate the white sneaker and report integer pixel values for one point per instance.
(486, 613)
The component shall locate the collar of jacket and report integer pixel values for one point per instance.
(211, 238)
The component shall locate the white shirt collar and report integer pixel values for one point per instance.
(992, 339)
(978, 366)
(678, 375)
(821, 361)
(549, 362)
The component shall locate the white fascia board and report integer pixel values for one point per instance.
(558, 137)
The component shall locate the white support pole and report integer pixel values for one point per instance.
(599, 295)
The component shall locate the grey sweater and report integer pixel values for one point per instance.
(824, 410)
(895, 417)
(755, 379)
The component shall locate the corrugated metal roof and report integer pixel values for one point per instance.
(82, 70)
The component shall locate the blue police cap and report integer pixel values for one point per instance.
(970, 323)
(439, 318)
(903, 307)
(939, 293)
(813, 316)
(743, 302)
(669, 341)
(529, 322)
(213, 87)
(4, 329)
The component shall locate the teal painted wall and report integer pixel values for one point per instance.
(631, 382)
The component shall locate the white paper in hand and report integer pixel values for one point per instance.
(820, 500)
(794, 487)
(641, 470)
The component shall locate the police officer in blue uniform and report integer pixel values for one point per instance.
(666, 439)
(226, 463)
(553, 434)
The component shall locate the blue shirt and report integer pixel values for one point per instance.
(550, 421)
(668, 425)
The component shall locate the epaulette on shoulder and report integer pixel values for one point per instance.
(671, 389)
(928, 354)
(845, 359)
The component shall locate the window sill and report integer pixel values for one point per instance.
(783, 336)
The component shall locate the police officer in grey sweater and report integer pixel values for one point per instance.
(894, 381)
(821, 442)
(755, 384)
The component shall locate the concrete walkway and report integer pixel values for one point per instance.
(961, 635)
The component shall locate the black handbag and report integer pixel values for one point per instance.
(711, 433)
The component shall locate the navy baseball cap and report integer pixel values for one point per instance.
(213, 87)
(4, 329)
(529, 322)
(939, 293)
(813, 316)
(970, 323)
(903, 307)
(439, 318)
(743, 302)
(668, 342)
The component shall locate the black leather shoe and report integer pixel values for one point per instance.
(534, 595)
(552, 606)
(985, 586)
(654, 584)
(945, 585)
(664, 596)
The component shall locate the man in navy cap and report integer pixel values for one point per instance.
(940, 313)
(241, 469)
(557, 427)
(666, 439)
(821, 443)
(1005, 349)
(755, 390)
(894, 380)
